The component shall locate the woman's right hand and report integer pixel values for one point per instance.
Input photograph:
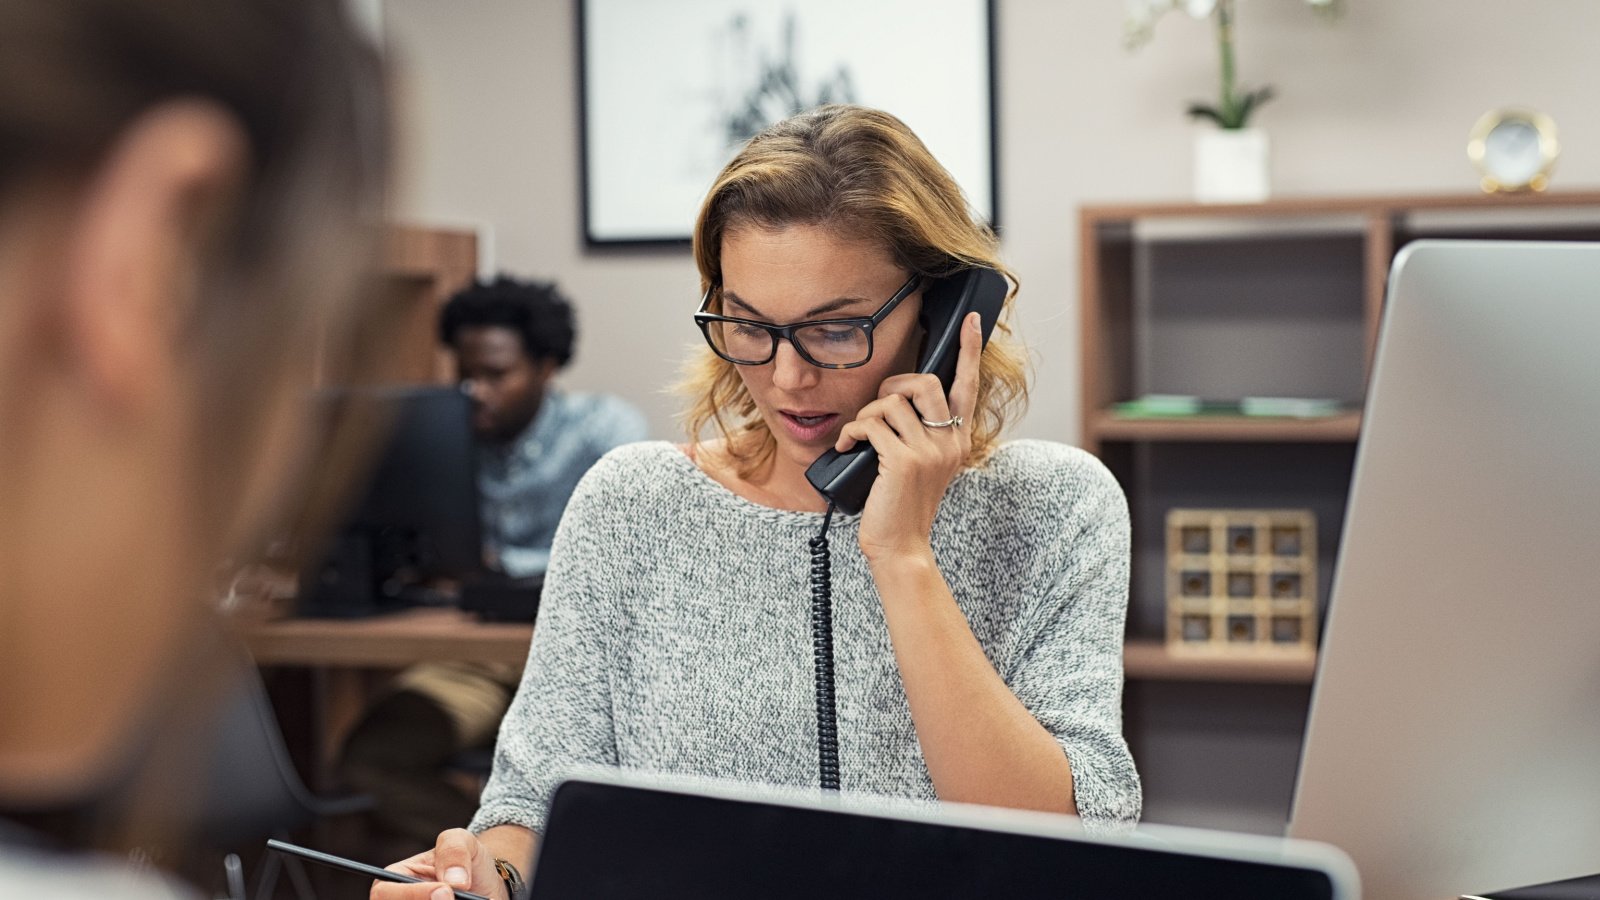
(458, 861)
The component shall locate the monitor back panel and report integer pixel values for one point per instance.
(1454, 739)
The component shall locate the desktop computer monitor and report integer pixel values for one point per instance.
(1453, 745)
(628, 835)
(415, 518)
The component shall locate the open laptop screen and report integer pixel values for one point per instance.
(618, 840)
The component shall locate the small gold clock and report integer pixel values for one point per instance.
(1514, 150)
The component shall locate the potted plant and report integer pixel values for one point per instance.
(1231, 160)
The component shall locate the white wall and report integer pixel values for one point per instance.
(1379, 102)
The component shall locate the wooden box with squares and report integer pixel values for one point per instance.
(1242, 580)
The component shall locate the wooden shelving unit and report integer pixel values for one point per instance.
(1222, 302)
(424, 267)
(1282, 298)
(421, 268)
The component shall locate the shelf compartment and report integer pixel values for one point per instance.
(1226, 319)
(1160, 476)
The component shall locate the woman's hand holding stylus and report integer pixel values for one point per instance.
(457, 861)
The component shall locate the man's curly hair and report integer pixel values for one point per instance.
(535, 310)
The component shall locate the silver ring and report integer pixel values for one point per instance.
(952, 422)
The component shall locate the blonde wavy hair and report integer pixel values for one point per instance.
(864, 173)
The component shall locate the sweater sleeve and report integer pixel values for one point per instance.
(1068, 671)
(561, 716)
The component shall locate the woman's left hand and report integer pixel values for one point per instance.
(915, 461)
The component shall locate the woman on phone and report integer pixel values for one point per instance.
(978, 598)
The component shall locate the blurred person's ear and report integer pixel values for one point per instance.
(145, 222)
(100, 556)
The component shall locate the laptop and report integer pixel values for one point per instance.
(620, 836)
(1453, 745)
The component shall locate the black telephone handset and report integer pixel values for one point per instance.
(846, 478)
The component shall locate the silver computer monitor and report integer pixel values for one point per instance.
(1454, 738)
(625, 836)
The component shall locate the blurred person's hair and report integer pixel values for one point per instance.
(863, 174)
(535, 310)
(284, 284)
(282, 274)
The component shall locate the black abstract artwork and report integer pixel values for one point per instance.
(670, 91)
(776, 91)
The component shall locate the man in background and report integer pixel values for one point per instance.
(510, 338)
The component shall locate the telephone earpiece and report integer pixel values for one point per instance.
(846, 478)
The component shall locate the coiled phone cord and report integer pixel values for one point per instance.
(822, 655)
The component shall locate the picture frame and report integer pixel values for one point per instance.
(668, 92)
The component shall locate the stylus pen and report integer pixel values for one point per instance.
(350, 865)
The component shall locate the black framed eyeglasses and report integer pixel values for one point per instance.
(825, 343)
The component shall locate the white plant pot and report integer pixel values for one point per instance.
(1230, 166)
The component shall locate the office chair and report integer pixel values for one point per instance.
(474, 764)
(254, 791)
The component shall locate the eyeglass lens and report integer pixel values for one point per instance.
(837, 344)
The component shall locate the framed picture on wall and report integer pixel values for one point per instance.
(670, 91)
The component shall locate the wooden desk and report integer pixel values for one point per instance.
(350, 658)
(386, 642)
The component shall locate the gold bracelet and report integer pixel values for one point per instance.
(515, 886)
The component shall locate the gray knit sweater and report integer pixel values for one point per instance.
(674, 632)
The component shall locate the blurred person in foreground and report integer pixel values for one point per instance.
(188, 190)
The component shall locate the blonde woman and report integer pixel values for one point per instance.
(978, 598)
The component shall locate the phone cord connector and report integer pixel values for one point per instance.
(822, 655)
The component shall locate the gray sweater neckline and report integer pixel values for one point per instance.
(723, 495)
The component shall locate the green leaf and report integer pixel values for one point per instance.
(1250, 102)
(1204, 111)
